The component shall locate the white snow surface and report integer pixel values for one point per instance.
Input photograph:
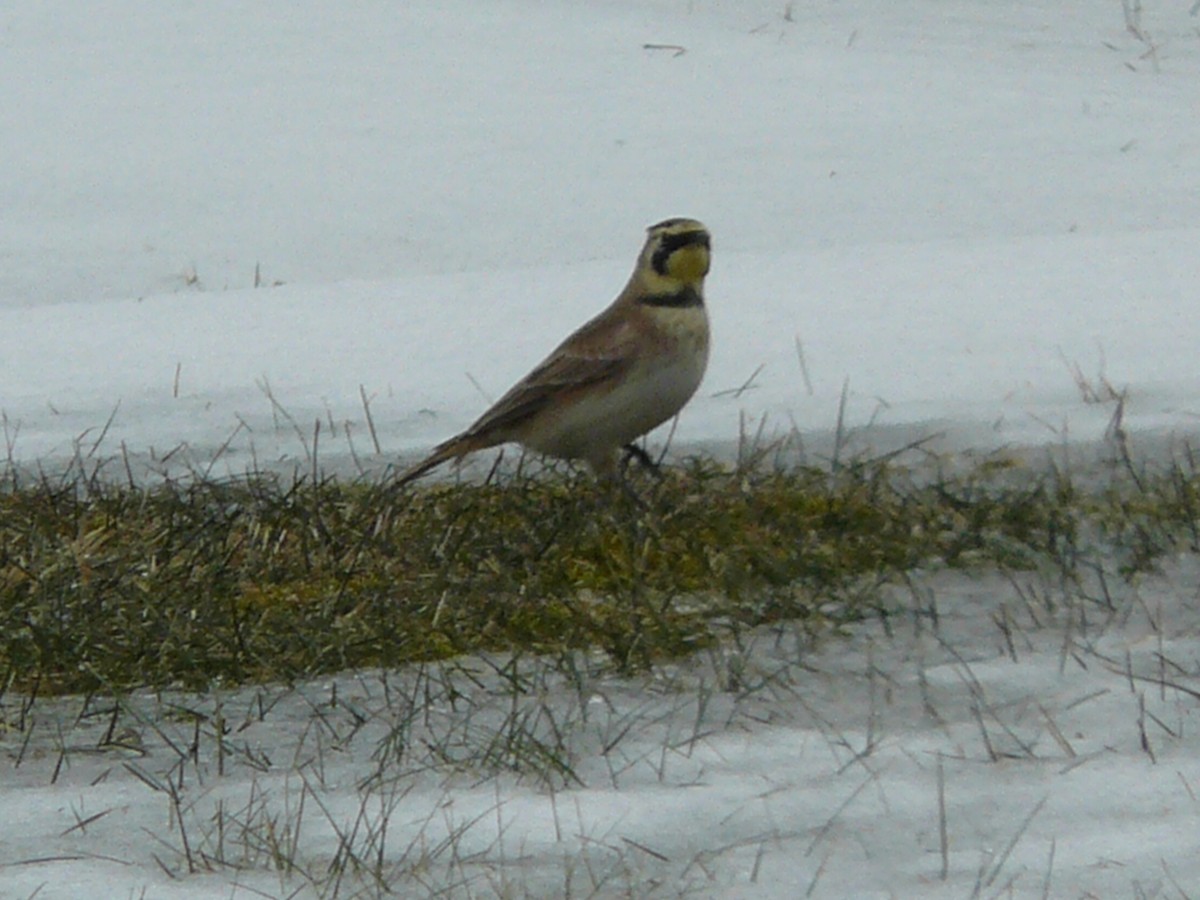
(224, 223)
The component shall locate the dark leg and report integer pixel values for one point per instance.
(633, 451)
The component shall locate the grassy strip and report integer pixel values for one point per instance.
(107, 586)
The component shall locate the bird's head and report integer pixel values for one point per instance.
(676, 256)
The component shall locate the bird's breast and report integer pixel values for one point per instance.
(668, 353)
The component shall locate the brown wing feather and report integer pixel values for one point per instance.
(593, 354)
(542, 387)
(598, 351)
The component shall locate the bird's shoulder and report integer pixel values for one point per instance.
(601, 349)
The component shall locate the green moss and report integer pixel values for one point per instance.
(103, 586)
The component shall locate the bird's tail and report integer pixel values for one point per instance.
(432, 461)
(455, 448)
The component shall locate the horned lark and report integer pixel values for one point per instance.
(625, 372)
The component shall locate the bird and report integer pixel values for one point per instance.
(617, 377)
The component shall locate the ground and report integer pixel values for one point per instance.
(259, 238)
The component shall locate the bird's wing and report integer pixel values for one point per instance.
(594, 354)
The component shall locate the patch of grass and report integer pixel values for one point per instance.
(107, 586)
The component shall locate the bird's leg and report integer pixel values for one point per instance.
(610, 474)
(633, 451)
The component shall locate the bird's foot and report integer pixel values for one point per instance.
(633, 451)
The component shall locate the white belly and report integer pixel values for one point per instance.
(653, 392)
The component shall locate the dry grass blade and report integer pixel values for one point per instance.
(107, 585)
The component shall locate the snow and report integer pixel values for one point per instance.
(949, 210)
(770, 770)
